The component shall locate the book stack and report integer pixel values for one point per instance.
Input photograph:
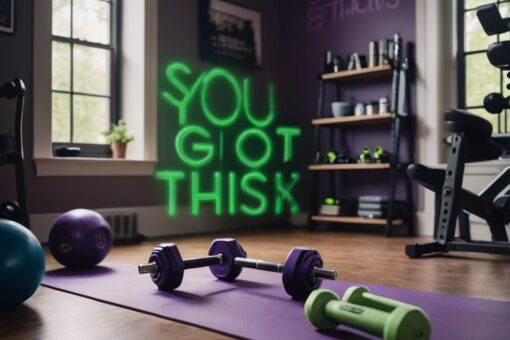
(377, 207)
(338, 207)
(330, 210)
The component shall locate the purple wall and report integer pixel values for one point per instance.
(292, 54)
(177, 40)
(55, 194)
(308, 28)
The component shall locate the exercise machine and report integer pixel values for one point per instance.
(11, 153)
(471, 142)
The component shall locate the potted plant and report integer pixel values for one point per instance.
(118, 138)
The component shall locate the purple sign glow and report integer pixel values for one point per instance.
(321, 11)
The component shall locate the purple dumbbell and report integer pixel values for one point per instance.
(166, 265)
(301, 273)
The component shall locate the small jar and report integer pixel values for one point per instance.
(359, 109)
(383, 105)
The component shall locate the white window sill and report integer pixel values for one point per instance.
(75, 166)
(487, 168)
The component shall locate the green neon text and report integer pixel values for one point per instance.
(254, 193)
(240, 148)
(248, 194)
(243, 134)
(204, 82)
(288, 133)
(247, 105)
(187, 94)
(207, 149)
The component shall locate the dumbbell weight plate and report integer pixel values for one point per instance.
(230, 249)
(167, 256)
(297, 275)
(407, 323)
(10, 210)
(315, 309)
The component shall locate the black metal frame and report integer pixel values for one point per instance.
(13, 154)
(398, 102)
(97, 150)
(453, 203)
(461, 64)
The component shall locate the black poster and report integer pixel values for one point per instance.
(229, 34)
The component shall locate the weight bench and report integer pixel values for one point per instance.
(471, 142)
(11, 153)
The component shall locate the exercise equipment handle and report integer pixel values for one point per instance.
(361, 317)
(275, 267)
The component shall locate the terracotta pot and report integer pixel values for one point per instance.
(119, 150)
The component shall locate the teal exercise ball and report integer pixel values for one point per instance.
(21, 264)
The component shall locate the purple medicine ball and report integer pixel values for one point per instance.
(80, 238)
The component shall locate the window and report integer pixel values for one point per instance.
(138, 93)
(476, 76)
(84, 100)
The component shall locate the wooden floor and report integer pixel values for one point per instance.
(367, 258)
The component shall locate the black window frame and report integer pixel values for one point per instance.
(96, 150)
(502, 127)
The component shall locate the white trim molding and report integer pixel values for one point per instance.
(65, 166)
(139, 98)
(435, 90)
(153, 221)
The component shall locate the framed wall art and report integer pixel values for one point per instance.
(230, 34)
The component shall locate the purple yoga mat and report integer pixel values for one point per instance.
(256, 306)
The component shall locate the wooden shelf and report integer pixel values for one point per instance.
(348, 166)
(352, 120)
(368, 72)
(355, 220)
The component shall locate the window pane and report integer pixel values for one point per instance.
(481, 79)
(468, 4)
(91, 21)
(91, 118)
(474, 35)
(487, 116)
(61, 22)
(60, 118)
(504, 9)
(91, 70)
(61, 66)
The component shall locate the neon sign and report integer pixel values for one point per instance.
(251, 191)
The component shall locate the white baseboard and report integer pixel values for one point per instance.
(479, 228)
(153, 221)
(424, 223)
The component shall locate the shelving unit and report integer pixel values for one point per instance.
(354, 220)
(364, 73)
(349, 166)
(353, 120)
(337, 125)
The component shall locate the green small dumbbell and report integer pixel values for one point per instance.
(390, 319)
(379, 155)
(365, 156)
(331, 157)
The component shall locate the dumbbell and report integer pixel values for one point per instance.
(380, 155)
(301, 273)
(360, 309)
(365, 156)
(166, 265)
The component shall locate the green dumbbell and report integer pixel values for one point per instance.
(390, 319)
(331, 157)
(380, 155)
(365, 156)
